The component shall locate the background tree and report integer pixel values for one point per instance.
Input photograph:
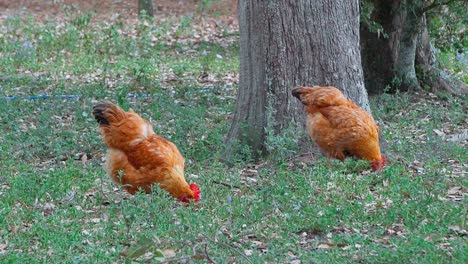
(288, 43)
(146, 7)
(396, 48)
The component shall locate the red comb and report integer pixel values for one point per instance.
(196, 191)
(379, 164)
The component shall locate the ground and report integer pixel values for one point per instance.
(181, 72)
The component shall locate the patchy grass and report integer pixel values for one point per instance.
(57, 204)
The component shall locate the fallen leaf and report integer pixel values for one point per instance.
(438, 132)
(325, 245)
(70, 196)
(459, 137)
(169, 253)
(95, 220)
(46, 208)
(3, 248)
(458, 230)
(84, 159)
(454, 190)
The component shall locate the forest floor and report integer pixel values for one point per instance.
(57, 205)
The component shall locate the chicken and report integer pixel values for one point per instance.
(138, 158)
(339, 127)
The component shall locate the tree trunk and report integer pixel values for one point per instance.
(146, 7)
(430, 74)
(390, 57)
(288, 43)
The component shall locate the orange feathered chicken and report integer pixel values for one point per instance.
(339, 127)
(137, 158)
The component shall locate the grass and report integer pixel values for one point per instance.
(58, 206)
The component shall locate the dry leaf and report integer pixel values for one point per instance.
(457, 230)
(438, 132)
(169, 253)
(454, 190)
(3, 248)
(325, 245)
(84, 158)
(459, 137)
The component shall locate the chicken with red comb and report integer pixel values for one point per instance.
(339, 127)
(137, 158)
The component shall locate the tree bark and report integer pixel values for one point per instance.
(288, 43)
(146, 6)
(390, 58)
(430, 74)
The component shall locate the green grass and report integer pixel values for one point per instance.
(58, 206)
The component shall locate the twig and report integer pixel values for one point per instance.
(229, 246)
(175, 259)
(226, 184)
(207, 255)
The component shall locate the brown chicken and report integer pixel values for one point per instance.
(339, 127)
(138, 158)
